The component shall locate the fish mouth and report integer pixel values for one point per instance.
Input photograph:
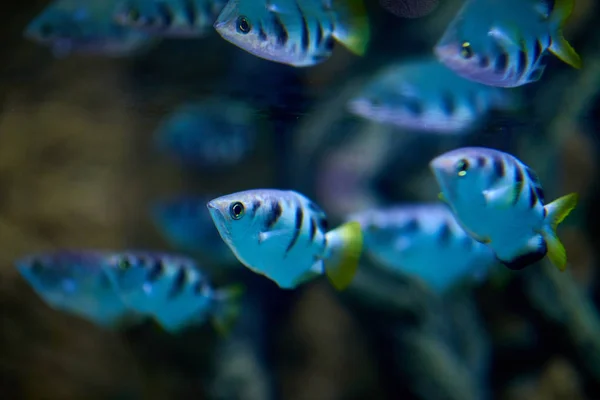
(219, 220)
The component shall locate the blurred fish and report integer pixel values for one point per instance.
(74, 282)
(423, 240)
(187, 225)
(409, 8)
(170, 288)
(502, 43)
(295, 32)
(424, 95)
(499, 201)
(170, 18)
(86, 27)
(216, 132)
(283, 235)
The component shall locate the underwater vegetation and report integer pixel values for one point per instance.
(300, 199)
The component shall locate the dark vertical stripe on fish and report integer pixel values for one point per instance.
(305, 39)
(537, 186)
(411, 226)
(179, 282)
(279, 30)
(313, 229)
(481, 161)
(166, 14)
(538, 49)
(521, 63)
(156, 271)
(498, 164)
(484, 62)
(501, 63)
(255, 206)
(319, 36)
(519, 178)
(189, 11)
(445, 234)
(413, 106)
(297, 227)
(532, 197)
(323, 225)
(448, 104)
(262, 35)
(273, 215)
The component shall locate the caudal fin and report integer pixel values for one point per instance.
(555, 213)
(346, 246)
(352, 25)
(560, 47)
(227, 308)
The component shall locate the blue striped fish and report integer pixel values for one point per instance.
(85, 27)
(300, 33)
(284, 236)
(171, 289)
(499, 201)
(170, 18)
(423, 240)
(503, 42)
(425, 95)
(74, 282)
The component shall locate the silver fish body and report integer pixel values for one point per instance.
(499, 201)
(423, 240)
(425, 95)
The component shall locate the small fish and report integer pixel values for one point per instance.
(503, 42)
(284, 236)
(187, 225)
(74, 282)
(170, 288)
(424, 95)
(170, 18)
(499, 201)
(216, 132)
(423, 240)
(299, 33)
(85, 27)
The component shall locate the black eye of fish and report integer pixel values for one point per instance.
(466, 51)
(46, 30)
(243, 25)
(133, 14)
(237, 210)
(461, 167)
(124, 263)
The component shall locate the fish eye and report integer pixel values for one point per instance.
(46, 30)
(243, 25)
(124, 264)
(237, 210)
(462, 166)
(37, 266)
(466, 51)
(133, 14)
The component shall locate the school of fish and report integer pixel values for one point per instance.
(491, 209)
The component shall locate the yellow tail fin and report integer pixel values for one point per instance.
(227, 308)
(346, 243)
(556, 212)
(560, 47)
(352, 25)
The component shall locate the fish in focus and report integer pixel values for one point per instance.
(284, 236)
(171, 289)
(299, 33)
(499, 201)
(423, 240)
(85, 27)
(170, 18)
(425, 95)
(503, 42)
(212, 133)
(74, 282)
(186, 224)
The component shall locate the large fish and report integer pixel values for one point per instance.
(499, 201)
(423, 240)
(425, 95)
(85, 27)
(186, 224)
(284, 236)
(502, 42)
(170, 18)
(171, 289)
(74, 282)
(295, 32)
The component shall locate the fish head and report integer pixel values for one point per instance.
(254, 28)
(462, 174)
(56, 26)
(474, 49)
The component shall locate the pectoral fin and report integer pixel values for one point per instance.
(500, 197)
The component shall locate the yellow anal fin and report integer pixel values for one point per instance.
(560, 47)
(227, 308)
(556, 212)
(346, 243)
(352, 26)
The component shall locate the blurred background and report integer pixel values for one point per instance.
(80, 167)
